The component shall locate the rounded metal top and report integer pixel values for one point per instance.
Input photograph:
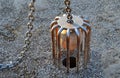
(78, 21)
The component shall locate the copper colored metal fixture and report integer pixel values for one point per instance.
(70, 36)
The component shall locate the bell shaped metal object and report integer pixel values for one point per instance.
(70, 40)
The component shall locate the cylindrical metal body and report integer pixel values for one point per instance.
(68, 38)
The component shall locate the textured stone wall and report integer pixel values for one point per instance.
(104, 16)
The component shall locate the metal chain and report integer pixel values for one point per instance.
(27, 40)
(68, 11)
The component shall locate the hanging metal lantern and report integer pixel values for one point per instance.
(70, 36)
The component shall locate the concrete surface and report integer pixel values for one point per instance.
(104, 16)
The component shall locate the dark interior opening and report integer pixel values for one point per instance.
(72, 62)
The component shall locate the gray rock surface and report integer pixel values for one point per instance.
(104, 16)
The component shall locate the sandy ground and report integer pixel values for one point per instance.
(104, 16)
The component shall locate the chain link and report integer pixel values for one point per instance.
(27, 39)
(68, 11)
